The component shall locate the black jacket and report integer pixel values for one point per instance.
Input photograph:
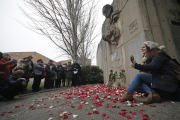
(1, 54)
(162, 77)
(50, 73)
(69, 72)
(11, 87)
(77, 66)
(59, 71)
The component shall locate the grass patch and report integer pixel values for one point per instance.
(29, 87)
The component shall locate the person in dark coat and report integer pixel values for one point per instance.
(76, 71)
(60, 73)
(13, 85)
(161, 80)
(25, 65)
(50, 75)
(1, 55)
(69, 74)
(6, 66)
(64, 74)
(32, 64)
(38, 69)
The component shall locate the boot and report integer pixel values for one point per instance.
(152, 97)
(127, 96)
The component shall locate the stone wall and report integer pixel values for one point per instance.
(130, 23)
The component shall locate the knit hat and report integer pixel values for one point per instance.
(50, 60)
(39, 60)
(6, 54)
(162, 47)
(28, 57)
(150, 44)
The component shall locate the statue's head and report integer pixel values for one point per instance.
(107, 10)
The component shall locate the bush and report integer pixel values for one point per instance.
(91, 75)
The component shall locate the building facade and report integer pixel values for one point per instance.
(35, 55)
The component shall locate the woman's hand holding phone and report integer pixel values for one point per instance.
(132, 58)
(132, 61)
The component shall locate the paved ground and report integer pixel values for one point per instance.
(94, 99)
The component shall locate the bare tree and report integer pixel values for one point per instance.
(69, 24)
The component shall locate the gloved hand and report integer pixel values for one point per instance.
(22, 81)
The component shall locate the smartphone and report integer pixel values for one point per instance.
(132, 58)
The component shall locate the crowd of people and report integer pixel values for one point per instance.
(14, 76)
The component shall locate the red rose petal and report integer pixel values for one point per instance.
(30, 106)
(133, 113)
(89, 113)
(96, 112)
(140, 112)
(104, 115)
(51, 114)
(123, 110)
(73, 106)
(145, 117)
(65, 117)
(153, 115)
(10, 112)
(164, 105)
(107, 116)
(152, 105)
(128, 117)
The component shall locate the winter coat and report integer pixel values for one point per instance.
(69, 72)
(38, 68)
(59, 71)
(11, 87)
(50, 71)
(24, 65)
(77, 66)
(6, 67)
(162, 77)
(32, 65)
(1, 55)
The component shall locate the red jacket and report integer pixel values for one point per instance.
(6, 67)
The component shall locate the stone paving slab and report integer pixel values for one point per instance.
(49, 106)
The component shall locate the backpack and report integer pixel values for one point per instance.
(176, 67)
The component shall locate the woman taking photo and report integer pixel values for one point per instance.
(161, 83)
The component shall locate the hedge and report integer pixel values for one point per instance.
(91, 75)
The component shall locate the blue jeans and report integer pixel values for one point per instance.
(140, 80)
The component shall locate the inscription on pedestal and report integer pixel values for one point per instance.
(133, 26)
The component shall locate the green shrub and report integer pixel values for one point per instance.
(91, 75)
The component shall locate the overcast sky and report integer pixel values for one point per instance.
(14, 37)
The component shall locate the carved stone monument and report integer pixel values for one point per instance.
(128, 23)
(113, 32)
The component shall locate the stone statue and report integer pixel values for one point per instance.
(113, 31)
(109, 13)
